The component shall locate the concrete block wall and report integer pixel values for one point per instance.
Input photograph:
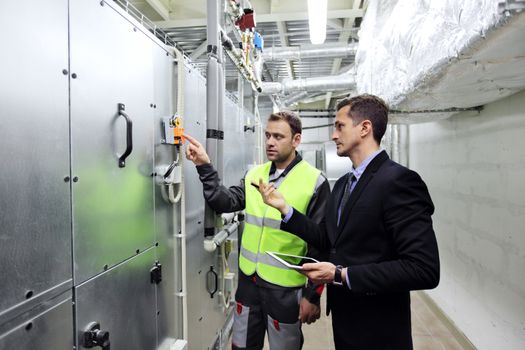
(474, 167)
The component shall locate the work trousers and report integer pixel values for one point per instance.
(273, 309)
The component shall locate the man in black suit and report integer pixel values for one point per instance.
(377, 233)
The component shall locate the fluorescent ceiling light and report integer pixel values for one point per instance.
(317, 14)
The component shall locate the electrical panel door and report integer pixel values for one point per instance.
(112, 138)
(35, 220)
(48, 325)
(119, 306)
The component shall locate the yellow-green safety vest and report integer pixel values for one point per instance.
(262, 231)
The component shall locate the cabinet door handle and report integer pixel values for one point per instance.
(129, 136)
(212, 276)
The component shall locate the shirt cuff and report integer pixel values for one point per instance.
(288, 215)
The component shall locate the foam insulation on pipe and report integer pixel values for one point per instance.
(212, 105)
(218, 239)
(227, 218)
(213, 90)
(314, 51)
(219, 163)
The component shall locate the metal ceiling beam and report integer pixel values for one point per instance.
(200, 50)
(335, 23)
(264, 17)
(281, 28)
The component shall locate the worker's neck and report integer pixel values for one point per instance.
(362, 152)
(284, 164)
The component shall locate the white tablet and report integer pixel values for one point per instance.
(292, 261)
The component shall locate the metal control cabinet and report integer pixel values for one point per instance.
(35, 220)
(167, 218)
(239, 143)
(112, 204)
(122, 302)
(201, 310)
(112, 114)
(82, 227)
(49, 325)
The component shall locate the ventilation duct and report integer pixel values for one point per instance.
(293, 98)
(441, 54)
(314, 51)
(318, 84)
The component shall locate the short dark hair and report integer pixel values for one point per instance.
(291, 118)
(367, 107)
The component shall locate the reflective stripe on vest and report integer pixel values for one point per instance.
(262, 231)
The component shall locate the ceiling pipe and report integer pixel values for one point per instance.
(237, 55)
(269, 88)
(291, 99)
(335, 94)
(318, 84)
(313, 51)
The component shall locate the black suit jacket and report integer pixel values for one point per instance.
(386, 240)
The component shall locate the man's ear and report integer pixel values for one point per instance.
(366, 128)
(296, 140)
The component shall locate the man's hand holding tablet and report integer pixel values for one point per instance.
(292, 261)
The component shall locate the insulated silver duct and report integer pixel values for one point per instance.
(314, 51)
(291, 99)
(318, 84)
(271, 88)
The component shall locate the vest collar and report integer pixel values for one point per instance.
(290, 166)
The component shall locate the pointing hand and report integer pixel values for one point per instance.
(195, 151)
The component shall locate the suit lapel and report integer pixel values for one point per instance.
(369, 173)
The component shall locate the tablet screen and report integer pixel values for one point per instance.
(291, 261)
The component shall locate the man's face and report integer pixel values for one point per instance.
(280, 144)
(346, 135)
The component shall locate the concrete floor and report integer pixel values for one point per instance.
(428, 331)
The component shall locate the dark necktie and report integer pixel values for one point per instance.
(346, 195)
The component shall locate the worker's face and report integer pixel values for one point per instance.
(346, 135)
(280, 143)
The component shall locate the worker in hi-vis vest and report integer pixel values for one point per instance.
(270, 297)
